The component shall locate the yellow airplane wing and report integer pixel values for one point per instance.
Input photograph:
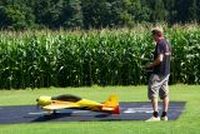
(56, 105)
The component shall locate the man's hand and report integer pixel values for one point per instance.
(149, 66)
(156, 62)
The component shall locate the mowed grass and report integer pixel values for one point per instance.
(188, 123)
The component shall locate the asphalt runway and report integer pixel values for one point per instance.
(129, 111)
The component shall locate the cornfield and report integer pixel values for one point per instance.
(83, 58)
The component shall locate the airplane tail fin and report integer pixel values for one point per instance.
(112, 105)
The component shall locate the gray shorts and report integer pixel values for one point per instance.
(158, 86)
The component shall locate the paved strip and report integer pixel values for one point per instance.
(129, 111)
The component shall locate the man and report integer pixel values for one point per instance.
(158, 81)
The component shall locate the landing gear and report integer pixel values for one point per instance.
(54, 112)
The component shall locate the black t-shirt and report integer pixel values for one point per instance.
(163, 47)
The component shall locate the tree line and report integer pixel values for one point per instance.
(25, 14)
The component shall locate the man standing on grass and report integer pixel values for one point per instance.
(158, 81)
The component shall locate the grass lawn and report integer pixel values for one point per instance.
(188, 123)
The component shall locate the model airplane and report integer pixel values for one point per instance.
(51, 104)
